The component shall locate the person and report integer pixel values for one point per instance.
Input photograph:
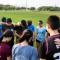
(24, 24)
(9, 34)
(50, 50)
(23, 51)
(3, 24)
(31, 27)
(5, 51)
(18, 29)
(0, 29)
(40, 35)
(9, 24)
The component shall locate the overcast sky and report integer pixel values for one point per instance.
(31, 3)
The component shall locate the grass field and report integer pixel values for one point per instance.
(28, 15)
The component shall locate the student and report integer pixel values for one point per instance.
(0, 29)
(24, 24)
(49, 49)
(9, 24)
(3, 24)
(5, 51)
(23, 51)
(40, 35)
(9, 34)
(18, 29)
(31, 27)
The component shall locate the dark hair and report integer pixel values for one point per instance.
(19, 29)
(27, 35)
(9, 20)
(8, 33)
(29, 22)
(3, 19)
(24, 24)
(54, 22)
(40, 21)
(1, 38)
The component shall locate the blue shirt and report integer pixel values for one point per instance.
(40, 33)
(24, 53)
(0, 29)
(31, 27)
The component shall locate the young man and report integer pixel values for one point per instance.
(31, 27)
(9, 24)
(50, 50)
(40, 35)
(4, 24)
(23, 51)
(24, 24)
(18, 29)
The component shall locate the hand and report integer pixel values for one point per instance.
(57, 41)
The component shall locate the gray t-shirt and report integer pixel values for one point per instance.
(24, 52)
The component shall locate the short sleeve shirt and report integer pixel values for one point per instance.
(40, 33)
(49, 50)
(4, 51)
(23, 53)
(31, 27)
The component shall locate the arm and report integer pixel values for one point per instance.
(9, 58)
(42, 59)
(57, 41)
(34, 55)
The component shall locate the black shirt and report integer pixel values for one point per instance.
(49, 50)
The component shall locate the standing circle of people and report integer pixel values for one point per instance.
(17, 40)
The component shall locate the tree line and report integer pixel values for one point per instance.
(43, 8)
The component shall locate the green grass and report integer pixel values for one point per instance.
(28, 15)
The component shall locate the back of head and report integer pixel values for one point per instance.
(9, 20)
(19, 29)
(54, 22)
(3, 19)
(8, 33)
(29, 22)
(26, 35)
(23, 22)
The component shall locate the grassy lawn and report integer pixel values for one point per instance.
(28, 15)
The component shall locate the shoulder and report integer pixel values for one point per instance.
(33, 49)
(37, 27)
(44, 28)
(32, 25)
(15, 46)
(6, 46)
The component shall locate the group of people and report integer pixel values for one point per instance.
(17, 40)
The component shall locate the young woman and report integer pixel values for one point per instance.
(9, 34)
(23, 51)
(5, 51)
(49, 49)
(40, 35)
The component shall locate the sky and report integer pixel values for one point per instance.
(31, 3)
